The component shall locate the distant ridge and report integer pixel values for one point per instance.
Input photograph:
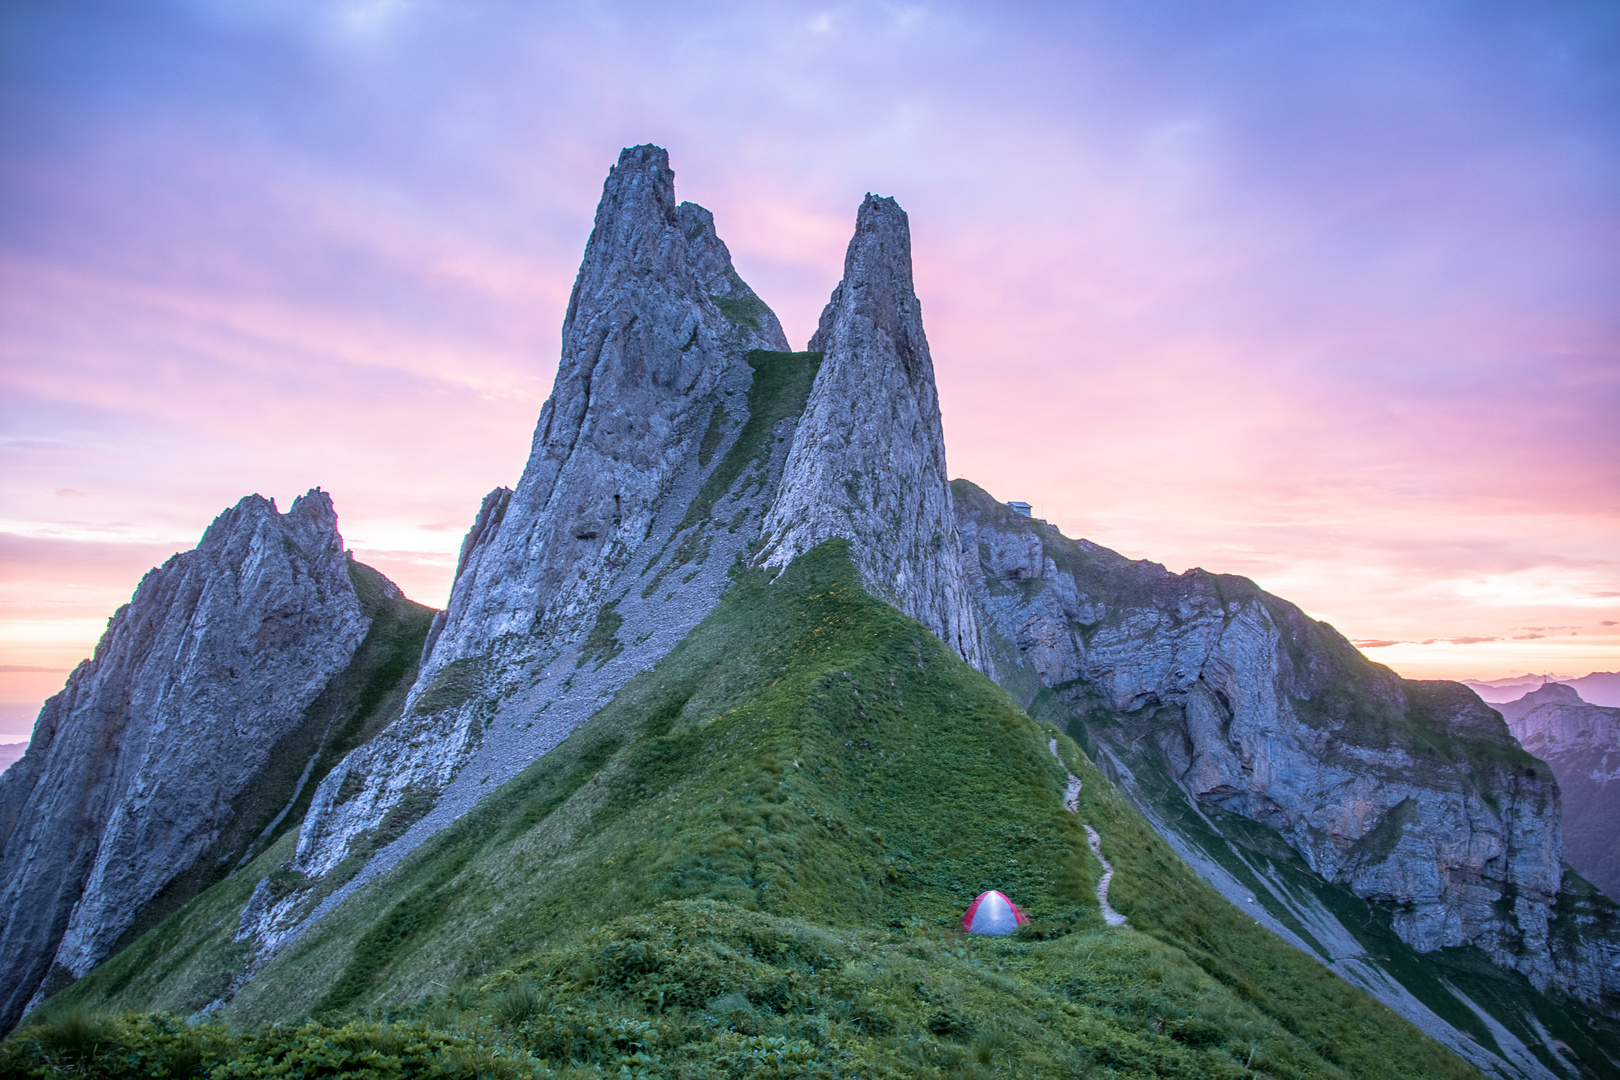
(1598, 688)
(1581, 742)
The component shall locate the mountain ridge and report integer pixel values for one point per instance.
(687, 457)
(136, 768)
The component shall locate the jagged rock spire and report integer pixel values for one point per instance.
(133, 768)
(658, 319)
(644, 341)
(868, 459)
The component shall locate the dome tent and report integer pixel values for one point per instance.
(993, 913)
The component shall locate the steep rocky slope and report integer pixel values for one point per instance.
(194, 729)
(868, 459)
(1216, 704)
(1582, 744)
(651, 464)
(680, 442)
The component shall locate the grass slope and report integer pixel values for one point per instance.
(751, 864)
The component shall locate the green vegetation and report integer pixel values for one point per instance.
(752, 863)
(712, 436)
(453, 686)
(602, 643)
(781, 386)
(76, 1043)
(744, 310)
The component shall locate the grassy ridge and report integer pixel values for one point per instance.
(752, 863)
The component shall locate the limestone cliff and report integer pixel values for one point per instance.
(1413, 795)
(868, 460)
(1582, 744)
(134, 768)
(656, 318)
(681, 436)
(656, 454)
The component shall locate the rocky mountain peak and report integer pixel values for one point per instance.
(1547, 694)
(657, 316)
(868, 458)
(655, 349)
(877, 287)
(314, 508)
(634, 221)
(1553, 694)
(312, 520)
(134, 767)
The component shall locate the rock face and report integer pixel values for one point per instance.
(1582, 744)
(680, 438)
(134, 766)
(868, 461)
(656, 317)
(662, 344)
(1414, 795)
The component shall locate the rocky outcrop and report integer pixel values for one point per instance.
(1412, 794)
(557, 590)
(680, 438)
(868, 460)
(134, 767)
(657, 316)
(1582, 744)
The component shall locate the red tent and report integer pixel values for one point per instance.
(993, 913)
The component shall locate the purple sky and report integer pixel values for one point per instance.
(1324, 294)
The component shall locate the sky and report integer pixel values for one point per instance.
(1323, 294)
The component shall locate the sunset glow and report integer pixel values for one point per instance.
(1323, 295)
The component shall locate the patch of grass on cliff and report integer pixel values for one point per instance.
(743, 310)
(781, 386)
(453, 685)
(602, 643)
(712, 435)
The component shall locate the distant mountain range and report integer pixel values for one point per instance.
(1581, 742)
(1598, 688)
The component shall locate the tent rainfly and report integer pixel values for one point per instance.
(993, 913)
